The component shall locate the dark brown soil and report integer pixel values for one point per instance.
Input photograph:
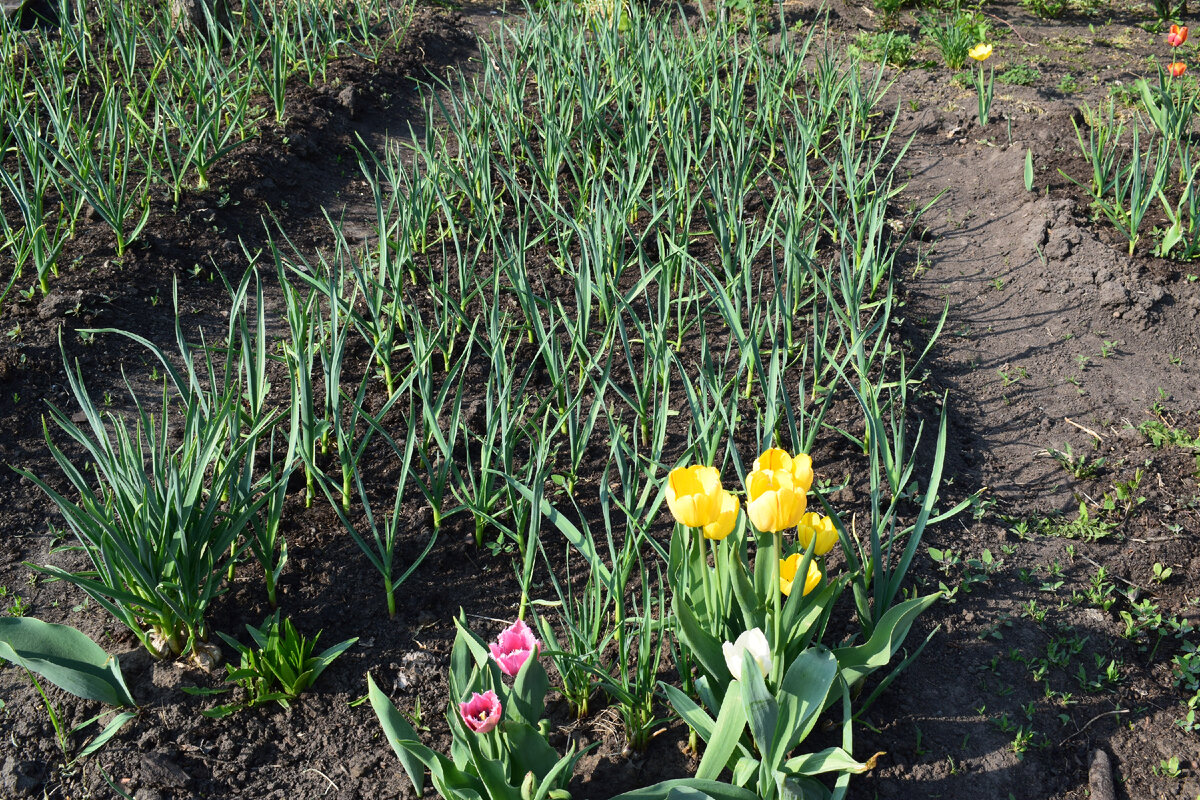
(1054, 337)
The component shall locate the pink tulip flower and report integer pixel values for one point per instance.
(513, 647)
(482, 712)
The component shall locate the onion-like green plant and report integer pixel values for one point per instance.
(299, 354)
(95, 157)
(385, 532)
(159, 532)
(202, 107)
(38, 239)
(586, 621)
(167, 520)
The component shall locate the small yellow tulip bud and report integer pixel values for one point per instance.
(787, 574)
(813, 524)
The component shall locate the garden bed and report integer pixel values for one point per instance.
(1067, 366)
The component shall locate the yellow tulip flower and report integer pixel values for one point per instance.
(775, 503)
(980, 52)
(787, 574)
(694, 495)
(723, 526)
(813, 524)
(800, 465)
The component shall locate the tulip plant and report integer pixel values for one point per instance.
(499, 749)
(980, 53)
(735, 595)
(1155, 163)
(755, 637)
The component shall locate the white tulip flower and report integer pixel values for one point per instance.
(752, 641)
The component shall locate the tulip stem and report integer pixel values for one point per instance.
(777, 649)
(719, 600)
(700, 558)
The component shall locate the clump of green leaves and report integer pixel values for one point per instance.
(883, 48)
(280, 666)
(953, 35)
(1080, 466)
(1046, 9)
(1020, 75)
(1084, 526)
(1160, 433)
(888, 8)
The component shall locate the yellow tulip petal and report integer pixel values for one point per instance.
(813, 579)
(787, 572)
(813, 524)
(802, 471)
(767, 480)
(725, 522)
(708, 478)
(775, 510)
(773, 459)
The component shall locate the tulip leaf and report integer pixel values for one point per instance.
(696, 717)
(401, 736)
(855, 663)
(66, 657)
(748, 599)
(707, 696)
(702, 644)
(687, 793)
(731, 722)
(713, 789)
(744, 770)
(551, 781)
(798, 787)
(762, 710)
(802, 626)
(492, 772)
(467, 655)
(529, 751)
(831, 759)
(764, 557)
(529, 691)
(802, 696)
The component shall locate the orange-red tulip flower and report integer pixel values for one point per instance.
(1177, 35)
